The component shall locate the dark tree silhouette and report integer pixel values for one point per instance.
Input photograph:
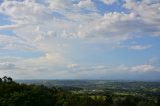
(9, 79)
(108, 99)
(158, 101)
(0, 80)
(4, 79)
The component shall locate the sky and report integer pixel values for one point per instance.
(80, 39)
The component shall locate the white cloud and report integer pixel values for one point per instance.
(9, 27)
(22, 68)
(112, 71)
(112, 26)
(147, 10)
(49, 60)
(52, 28)
(59, 4)
(109, 1)
(143, 68)
(73, 66)
(14, 43)
(139, 47)
(88, 4)
(109, 69)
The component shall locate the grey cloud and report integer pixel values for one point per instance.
(7, 66)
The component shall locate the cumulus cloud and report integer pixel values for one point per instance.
(111, 26)
(147, 12)
(88, 4)
(53, 27)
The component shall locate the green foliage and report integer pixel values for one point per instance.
(14, 94)
(109, 99)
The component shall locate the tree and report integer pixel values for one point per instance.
(158, 101)
(9, 79)
(5, 78)
(0, 80)
(109, 99)
(130, 101)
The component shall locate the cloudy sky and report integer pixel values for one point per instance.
(80, 39)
